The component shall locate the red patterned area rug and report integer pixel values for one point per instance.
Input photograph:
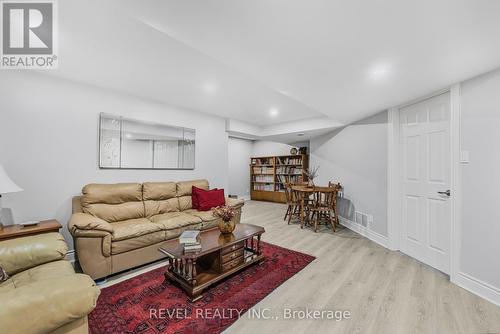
(146, 304)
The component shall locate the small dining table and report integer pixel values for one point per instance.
(308, 190)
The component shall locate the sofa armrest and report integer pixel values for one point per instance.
(46, 305)
(83, 224)
(23, 253)
(235, 202)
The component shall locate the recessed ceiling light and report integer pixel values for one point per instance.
(300, 134)
(273, 112)
(380, 71)
(210, 88)
(128, 135)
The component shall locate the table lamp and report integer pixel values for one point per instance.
(6, 186)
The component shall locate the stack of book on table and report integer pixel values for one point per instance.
(191, 241)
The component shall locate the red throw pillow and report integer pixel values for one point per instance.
(194, 195)
(210, 199)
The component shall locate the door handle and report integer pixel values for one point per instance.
(447, 192)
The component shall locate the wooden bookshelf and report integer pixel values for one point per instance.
(268, 175)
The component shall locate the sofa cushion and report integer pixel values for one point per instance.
(159, 190)
(210, 224)
(185, 203)
(141, 241)
(175, 220)
(184, 188)
(205, 216)
(133, 228)
(160, 197)
(184, 192)
(113, 202)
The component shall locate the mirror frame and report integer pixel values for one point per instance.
(122, 118)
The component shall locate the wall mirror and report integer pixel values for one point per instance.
(131, 144)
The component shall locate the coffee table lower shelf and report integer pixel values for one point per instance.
(207, 278)
(196, 272)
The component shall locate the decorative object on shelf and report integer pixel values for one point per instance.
(29, 223)
(226, 213)
(131, 144)
(6, 186)
(311, 175)
(303, 150)
(293, 151)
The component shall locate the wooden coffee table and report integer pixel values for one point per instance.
(220, 256)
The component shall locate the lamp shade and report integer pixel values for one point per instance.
(6, 184)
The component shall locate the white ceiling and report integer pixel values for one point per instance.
(306, 58)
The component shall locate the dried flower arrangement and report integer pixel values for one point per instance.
(311, 174)
(225, 212)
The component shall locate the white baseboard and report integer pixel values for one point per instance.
(364, 231)
(478, 287)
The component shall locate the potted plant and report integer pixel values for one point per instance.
(226, 213)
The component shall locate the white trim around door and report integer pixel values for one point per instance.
(394, 176)
(464, 280)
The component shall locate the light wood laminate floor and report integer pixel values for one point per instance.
(385, 292)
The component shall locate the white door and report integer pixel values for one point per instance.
(425, 170)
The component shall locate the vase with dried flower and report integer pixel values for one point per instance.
(311, 175)
(226, 213)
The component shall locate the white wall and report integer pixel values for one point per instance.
(239, 153)
(480, 135)
(49, 140)
(262, 148)
(356, 156)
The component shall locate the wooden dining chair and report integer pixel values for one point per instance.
(322, 209)
(307, 199)
(339, 190)
(291, 202)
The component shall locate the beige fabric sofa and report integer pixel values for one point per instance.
(43, 293)
(120, 226)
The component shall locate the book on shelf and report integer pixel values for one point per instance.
(264, 178)
(290, 160)
(287, 178)
(263, 187)
(189, 237)
(262, 170)
(292, 170)
(262, 161)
